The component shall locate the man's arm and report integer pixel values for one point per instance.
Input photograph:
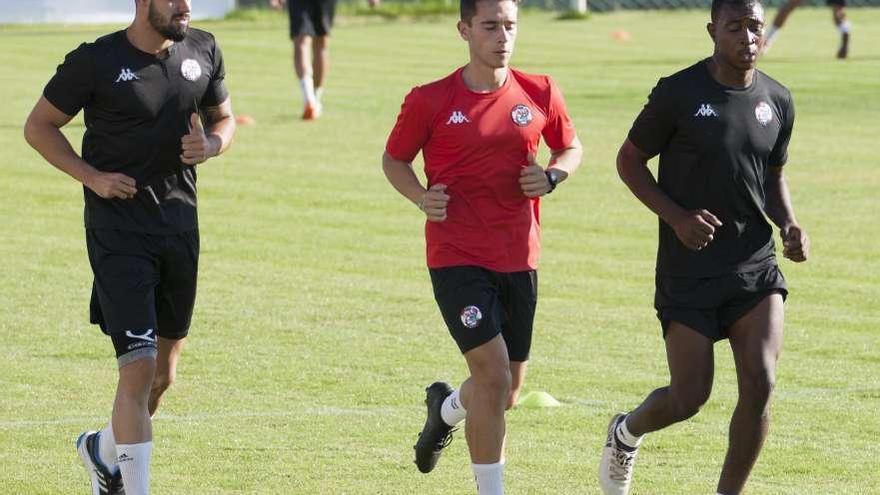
(401, 175)
(695, 229)
(201, 144)
(42, 131)
(795, 242)
(534, 181)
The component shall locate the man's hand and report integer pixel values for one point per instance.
(277, 4)
(795, 243)
(696, 229)
(434, 203)
(533, 180)
(111, 185)
(196, 146)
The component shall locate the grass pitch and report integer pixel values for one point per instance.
(315, 330)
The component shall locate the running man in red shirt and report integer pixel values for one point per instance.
(478, 130)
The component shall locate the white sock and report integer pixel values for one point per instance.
(452, 411)
(134, 462)
(107, 447)
(626, 437)
(307, 85)
(844, 27)
(319, 91)
(489, 478)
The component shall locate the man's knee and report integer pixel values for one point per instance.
(513, 397)
(136, 378)
(162, 382)
(494, 379)
(686, 404)
(756, 389)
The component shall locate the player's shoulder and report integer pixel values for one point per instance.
(200, 37)
(532, 82)
(772, 86)
(107, 42)
(439, 87)
(684, 78)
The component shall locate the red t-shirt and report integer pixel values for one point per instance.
(477, 144)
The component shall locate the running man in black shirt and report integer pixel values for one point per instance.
(145, 92)
(838, 15)
(721, 129)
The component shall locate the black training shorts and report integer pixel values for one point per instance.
(840, 3)
(311, 17)
(478, 304)
(144, 286)
(711, 305)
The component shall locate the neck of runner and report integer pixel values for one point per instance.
(728, 75)
(146, 39)
(482, 79)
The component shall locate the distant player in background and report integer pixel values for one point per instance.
(310, 25)
(838, 12)
(478, 130)
(722, 129)
(142, 91)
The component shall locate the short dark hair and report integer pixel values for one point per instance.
(719, 5)
(468, 8)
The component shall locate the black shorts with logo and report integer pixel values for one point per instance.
(711, 305)
(144, 287)
(478, 304)
(311, 17)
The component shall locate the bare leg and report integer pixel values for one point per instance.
(784, 12)
(691, 368)
(131, 418)
(321, 57)
(484, 395)
(839, 14)
(756, 340)
(518, 378)
(166, 370)
(302, 56)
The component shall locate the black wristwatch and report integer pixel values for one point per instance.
(552, 179)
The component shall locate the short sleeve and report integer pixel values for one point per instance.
(655, 125)
(72, 86)
(779, 155)
(412, 129)
(216, 93)
(559, 130)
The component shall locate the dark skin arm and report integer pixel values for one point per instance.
(795, 242)
(694, 228)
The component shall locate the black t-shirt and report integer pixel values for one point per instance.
(716, 145)
(137, 108)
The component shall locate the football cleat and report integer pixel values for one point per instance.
(616, 467)
(102, 481)
(436, 435)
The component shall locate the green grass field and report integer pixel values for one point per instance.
(315, 330)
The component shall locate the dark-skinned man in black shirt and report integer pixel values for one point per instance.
(722, 129)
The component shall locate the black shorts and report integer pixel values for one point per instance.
(478, 304)
(144, 286)
(711, 305)
(839, 3)
(311, 17)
